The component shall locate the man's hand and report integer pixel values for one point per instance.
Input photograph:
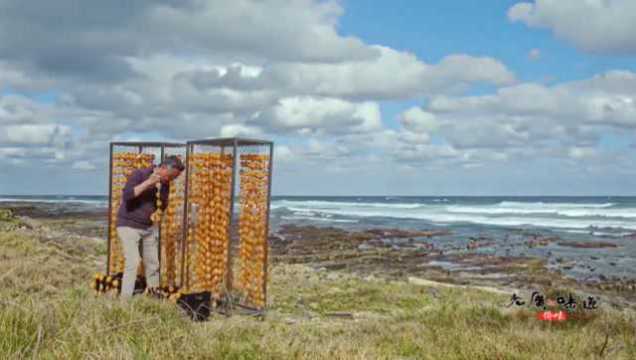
(150, 182)
(154, 178)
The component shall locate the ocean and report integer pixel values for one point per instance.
(606, 215)
(614, 215)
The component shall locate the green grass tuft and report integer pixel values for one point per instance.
(47, 311)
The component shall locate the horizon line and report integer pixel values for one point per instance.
(358, 195)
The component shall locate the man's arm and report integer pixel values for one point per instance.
(136, 185)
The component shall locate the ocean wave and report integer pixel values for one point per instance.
(599, 233)
(574, 210)
(554, 211)
(510, 205)
(551, 205)
(548, 215)
(318, 204)
(56, 201)
(318, 219)
(446, 218)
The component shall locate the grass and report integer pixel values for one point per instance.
(47, 311)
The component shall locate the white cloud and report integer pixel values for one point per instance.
(283, 153)
(524, 122)
(322, 115)
(40, 134)
(414, 137)
(582, 152)
(606, 100)
(393, 75)
(599, 26)
(534, 54)
(211, 73)
(239, 130)
(417, 120)
(467, 69)
(205, 68)
(83, 165)
(308, 32)
(369, 113)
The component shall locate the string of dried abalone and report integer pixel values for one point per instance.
(252, 227)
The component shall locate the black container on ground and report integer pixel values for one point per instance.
(196, 305)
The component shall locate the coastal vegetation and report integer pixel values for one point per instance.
(48, 311)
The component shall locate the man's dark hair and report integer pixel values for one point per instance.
(173, 161)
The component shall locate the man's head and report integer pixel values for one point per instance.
(170, 168)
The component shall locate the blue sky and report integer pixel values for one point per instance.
(361, 98)
(434, 29)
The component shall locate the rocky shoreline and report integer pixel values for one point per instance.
(384, 253)
(373, 253)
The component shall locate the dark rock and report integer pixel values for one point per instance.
(540, 241)
(399, 233)
(588, 245)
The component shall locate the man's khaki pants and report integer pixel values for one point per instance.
(131, 239)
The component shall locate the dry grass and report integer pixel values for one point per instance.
(48, 312)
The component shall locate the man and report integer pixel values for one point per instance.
(134, 224)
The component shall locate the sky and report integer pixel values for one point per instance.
(360, 98)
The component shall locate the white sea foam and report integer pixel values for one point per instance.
(599, 233)
(559, 210)
(507, 213)
(318, 204)
(540, 204)
(318, 219)
(98, 203)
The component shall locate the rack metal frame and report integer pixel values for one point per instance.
(234, 143)
(140, 147)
